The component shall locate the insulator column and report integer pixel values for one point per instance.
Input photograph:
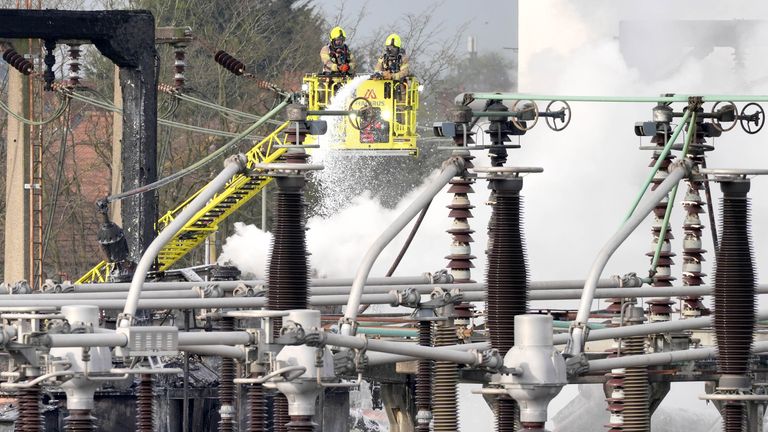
(288, 269)
(73, 79)
(628, 391)
(301, 424)
(424, 381)
(460, 259)
(179, 65)
(30, 418)
(506, 279)
(660, 308)
(81, 421)
(17, 61)
(145, 416)
(734, 299)
(693, 253)
(445, 410)
(614, 384)
(227, 409)
(257, 408)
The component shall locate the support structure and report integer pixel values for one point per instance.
(128, 39)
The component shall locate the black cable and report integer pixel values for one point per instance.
(403, 250)
(57, 184)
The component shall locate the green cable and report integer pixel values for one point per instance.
(671, 200)
(202, 162)
(583, 98)
(221, 108)
(657, 165)
(165, 122)
(59, 111)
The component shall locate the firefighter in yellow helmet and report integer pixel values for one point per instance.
(393, 64)
(336, 56)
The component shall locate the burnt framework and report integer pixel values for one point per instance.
(734, 299)
(127, 38)
(506, 279)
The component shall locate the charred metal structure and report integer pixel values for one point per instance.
(127, 38)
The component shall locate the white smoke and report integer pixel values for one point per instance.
(593, 170)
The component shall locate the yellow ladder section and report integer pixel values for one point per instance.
(239, 190)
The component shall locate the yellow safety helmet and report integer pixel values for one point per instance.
(393, 40)
(338, 32)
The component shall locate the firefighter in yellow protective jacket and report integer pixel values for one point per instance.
(336, 56)
(393, 64)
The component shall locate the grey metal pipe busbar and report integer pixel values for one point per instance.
(648, 329)
(319, 286)
(453, 167)
(378, 358)
(663, 358)
(408, 349)
(120, 340)
(164, 294)
(389, 297)
(231, 285)
(234, 165)
(679, 171)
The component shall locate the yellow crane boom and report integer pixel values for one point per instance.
(239, 191)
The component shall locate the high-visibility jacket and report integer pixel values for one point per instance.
(398, 66)
(332, 59)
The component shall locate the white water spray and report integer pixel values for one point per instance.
(340, 180)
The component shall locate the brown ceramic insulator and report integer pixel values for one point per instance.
(424, 376)
(692, 251)
(506, 415)
(460, 261)
(445, 410)
(662, 277)
(229, 63)
(636, 394)
(74, 66)
(179, 66)
(507, 272)
(17, 61)
(614, 306)
(733, 417)
(257, 408)
(30, 418)
(79, 421)
(145, 416)
(301, 424)
(226, 381)
(288, 271)
(734, 289)
(281, 417)
(291, 134)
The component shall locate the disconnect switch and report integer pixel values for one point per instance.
(152, 341)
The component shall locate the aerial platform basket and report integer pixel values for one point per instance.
(388, 125)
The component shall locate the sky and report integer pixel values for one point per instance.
(490, 22)
(593, 169)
